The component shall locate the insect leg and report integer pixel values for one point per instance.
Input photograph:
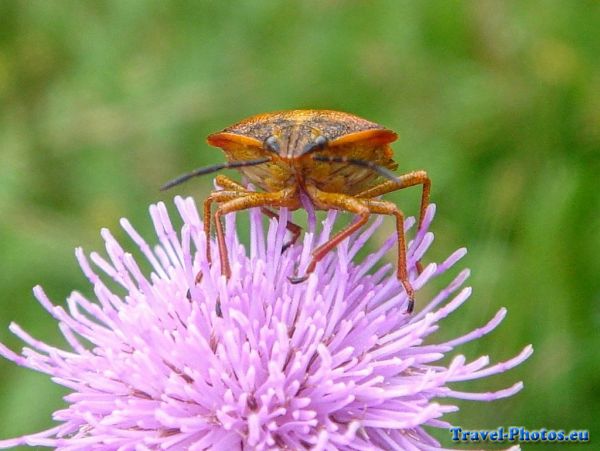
(293, 228)
(233, 201)
(284, 198)
(216, 196)
(406, 180)
(226, 183)
(230, 187)
(383, 207)
(334, 201)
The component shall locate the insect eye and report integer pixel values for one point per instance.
(320, 142)
(272, 144)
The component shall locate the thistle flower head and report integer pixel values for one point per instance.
(331, 363)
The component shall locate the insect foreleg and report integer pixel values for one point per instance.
(284, 198)
(333, 201)
(226, 183)
(292, 227)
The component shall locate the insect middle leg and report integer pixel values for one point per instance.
(293, 228)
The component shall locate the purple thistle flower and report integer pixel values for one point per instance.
(333, 363)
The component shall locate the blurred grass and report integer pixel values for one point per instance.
(103, 101)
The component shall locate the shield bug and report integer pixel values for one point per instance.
(338, 160)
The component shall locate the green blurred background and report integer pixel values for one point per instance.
(103, 101)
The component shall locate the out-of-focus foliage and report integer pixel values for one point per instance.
(103, 101)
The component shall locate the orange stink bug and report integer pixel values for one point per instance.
(338, 160)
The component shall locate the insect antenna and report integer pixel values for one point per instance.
(209, 169)
(384, 172)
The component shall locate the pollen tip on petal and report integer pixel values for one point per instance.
(527, 351)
